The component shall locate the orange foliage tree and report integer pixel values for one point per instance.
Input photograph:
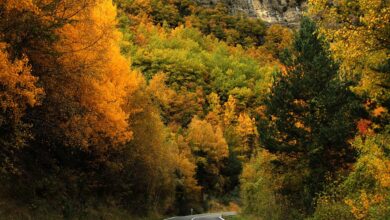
(95, 79)
(73, 46)
(18, 92)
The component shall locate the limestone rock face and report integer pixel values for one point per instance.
(271, 11)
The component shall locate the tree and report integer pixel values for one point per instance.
(150, 159)
(311, 115)
(278, 39)
(210, 149)
(71, 50)
(90, 91)
(260, 184)
(73, 47)
(365, 192)
(246, 130)
(358, 32)
(18, 93)
(187, 194)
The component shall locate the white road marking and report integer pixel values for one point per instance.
(205, 215)
(194, 218)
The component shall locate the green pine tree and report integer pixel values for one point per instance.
(311, 116)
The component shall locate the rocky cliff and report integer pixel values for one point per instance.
(272, 11)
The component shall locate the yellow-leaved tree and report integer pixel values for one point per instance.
(210, 149)
(187, 188)
(359, 35)
(247, 133)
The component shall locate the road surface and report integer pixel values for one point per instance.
(208, 216)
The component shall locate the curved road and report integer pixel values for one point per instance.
(208, 216)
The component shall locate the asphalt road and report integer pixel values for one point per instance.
(208, 216)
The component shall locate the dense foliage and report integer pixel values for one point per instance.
(214, 20)
(311, 115)
(147, 108)
(328, 158)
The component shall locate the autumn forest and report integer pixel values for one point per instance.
(147, 109)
